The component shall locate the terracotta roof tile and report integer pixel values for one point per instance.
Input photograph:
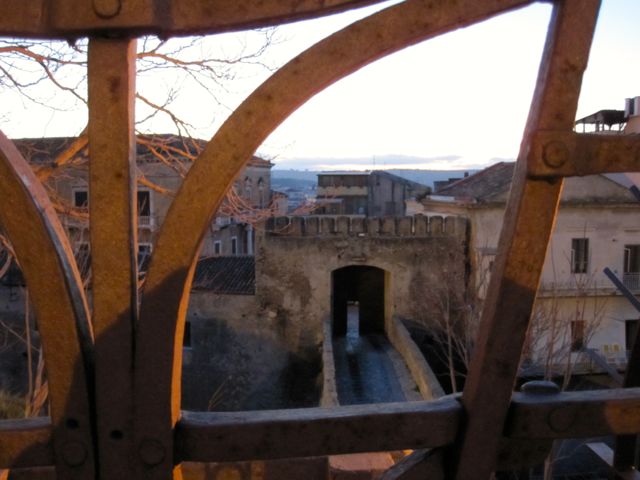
(483, 186)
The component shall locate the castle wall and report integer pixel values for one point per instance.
(296, 256)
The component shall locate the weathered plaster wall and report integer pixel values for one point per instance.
(592, 207)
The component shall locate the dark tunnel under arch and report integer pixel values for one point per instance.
(363, 284)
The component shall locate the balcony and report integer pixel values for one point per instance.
(631, 280)
(145, 221)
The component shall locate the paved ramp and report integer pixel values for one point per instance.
(369, 369)
(364, 371)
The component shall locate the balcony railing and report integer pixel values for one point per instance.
(631, 280)
(145, 221)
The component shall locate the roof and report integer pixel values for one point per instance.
(259, 162)
(345, 172)
(232, 275)
(382, 173)
(41, 150)
(491, 184)
(604, 117)
(44, 149)
(402, 180)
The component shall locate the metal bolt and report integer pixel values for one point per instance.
(107, 8)
(74, 454)
(151, 452)
(555, 154)
(561, 418)
(540, 387)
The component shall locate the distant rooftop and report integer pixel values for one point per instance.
(486, 185)
(45, 149)
(608, 118)
(492, 185)
(409, 183)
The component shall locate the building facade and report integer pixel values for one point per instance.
(578, 307)
(162, 161)
(372, 194)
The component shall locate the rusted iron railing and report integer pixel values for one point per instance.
(115, 374)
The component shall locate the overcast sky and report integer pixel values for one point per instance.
(458, 101)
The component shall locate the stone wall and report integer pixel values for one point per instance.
(239, 358)
(296, 256)
(264, 350)
(419, 226)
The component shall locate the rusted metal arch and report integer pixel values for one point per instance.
(164, 303)
(61, 309)
(536, 185)
(68, 19)
(529, 221)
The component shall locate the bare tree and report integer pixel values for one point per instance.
(52, 75)
(455, 304)
(556, 335)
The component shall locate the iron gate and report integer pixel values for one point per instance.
(115, 373)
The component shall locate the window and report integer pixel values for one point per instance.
(81, 198)
(234, 245)
(144, 254)
(217, 247)
(630, 330)
(577, 335)
(631, 270)
(579, 255)
(249, 242)
(144, 207)
(261, 191)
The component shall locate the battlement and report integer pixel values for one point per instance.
(419, 226)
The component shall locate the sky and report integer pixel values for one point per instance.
(458, 101)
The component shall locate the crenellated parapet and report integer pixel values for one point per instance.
(419, 226)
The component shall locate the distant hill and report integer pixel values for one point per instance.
(279, 183)
(302, 179)
(291, 174)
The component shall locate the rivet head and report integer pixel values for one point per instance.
(540, 387)
(74, 454)
(107, 8)
(560, 419)
(151, 452)
(555, 154)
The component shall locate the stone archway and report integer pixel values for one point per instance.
(360, 286)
